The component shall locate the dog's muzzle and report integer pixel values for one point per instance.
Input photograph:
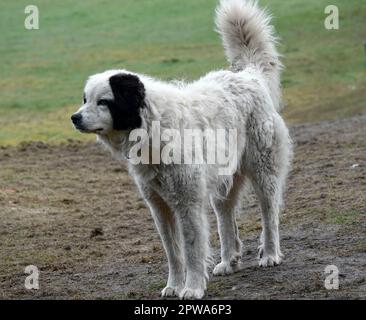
(77, 119)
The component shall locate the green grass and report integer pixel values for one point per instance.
(43, 71)
(345, 217)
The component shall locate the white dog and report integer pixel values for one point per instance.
(246, 98)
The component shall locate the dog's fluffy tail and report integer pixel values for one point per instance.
(249, 39)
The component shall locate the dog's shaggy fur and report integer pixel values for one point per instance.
(246, 98)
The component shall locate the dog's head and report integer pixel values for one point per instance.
(112, 101)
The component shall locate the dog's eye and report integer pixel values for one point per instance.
(102, 102)
(84, 99)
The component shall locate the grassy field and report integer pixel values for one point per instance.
(43, 71)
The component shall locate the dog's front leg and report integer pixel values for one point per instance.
(169, 231)
(196, 250)
(184, 190)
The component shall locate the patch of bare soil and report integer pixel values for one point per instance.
(73, 212)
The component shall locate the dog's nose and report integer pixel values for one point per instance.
(76, 118)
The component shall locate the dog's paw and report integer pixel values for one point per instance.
(269, 260)
(170, 292)
(225, 268)
(189, 294)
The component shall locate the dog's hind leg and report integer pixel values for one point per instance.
(231, 246)
(269, 192)
(268, 169)
(266, 163)
(170, 234)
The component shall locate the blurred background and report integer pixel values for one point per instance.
(43, 71)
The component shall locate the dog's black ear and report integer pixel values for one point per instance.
(129, 99)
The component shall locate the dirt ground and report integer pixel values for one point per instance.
(73, 212)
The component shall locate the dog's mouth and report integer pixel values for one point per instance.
(86, 130)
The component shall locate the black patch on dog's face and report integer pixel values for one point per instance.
(129, 99)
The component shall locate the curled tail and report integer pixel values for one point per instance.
(249, 38)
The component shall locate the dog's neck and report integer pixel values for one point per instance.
(117, 142)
